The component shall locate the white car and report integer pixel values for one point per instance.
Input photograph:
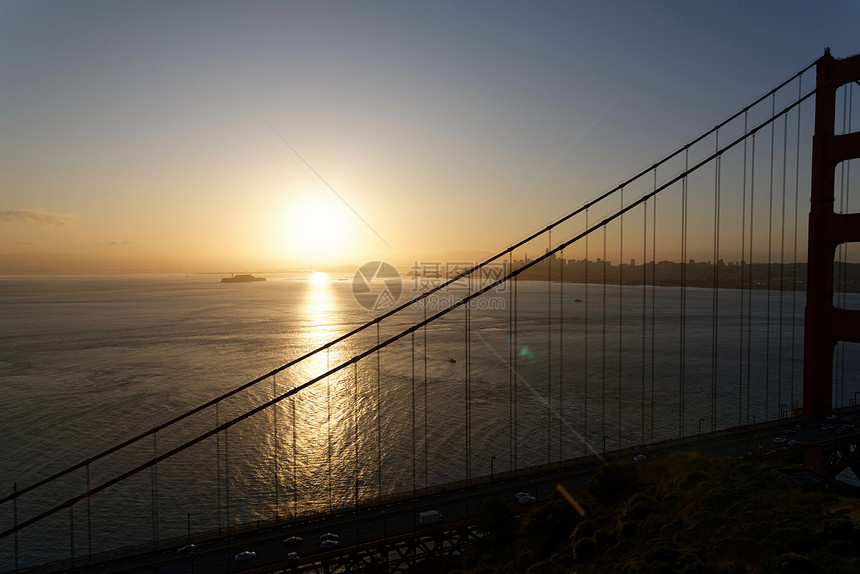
(329, 544)
(246, 555)
(779, 440)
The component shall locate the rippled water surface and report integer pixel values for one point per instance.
(87, 362)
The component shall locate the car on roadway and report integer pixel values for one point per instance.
(329, 536)
(187, 549)
(779, 440)
(293, 556)
(793, 442)
(329, 544)
(639, 457)
(429, 517)
(245, 555)
(293, 541)
(524, 498)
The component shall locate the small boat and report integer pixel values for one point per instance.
(245, 278)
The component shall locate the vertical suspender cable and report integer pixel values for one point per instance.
(585, 349)
(227, 478)
(716, 293)
(516, 398)
(561, 358)
(89, 519)
(620, 307)
(549, 350)
(154, 492)
(845, 209)
(653, 302)
(328, 429)
(794, 258)
(426, 436)
(378, 416)
(838, 388)
(414, 447)
(750, 278)
(644, 317)
(512, 343)
(355, 447)
(741, 289)
(782, 267)
(275, 443)
(294, 400)
(603, 351)
(15, 520)
(848, 94)
(72, 535)
(682, 351)
(218, 465)
(468, 334)
(769, 260)
(355, 425)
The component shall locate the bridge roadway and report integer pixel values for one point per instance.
(378, 526)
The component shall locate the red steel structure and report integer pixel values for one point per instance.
(826, 324)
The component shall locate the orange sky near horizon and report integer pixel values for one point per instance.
(274, 136)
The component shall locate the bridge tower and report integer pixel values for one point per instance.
(826, 324)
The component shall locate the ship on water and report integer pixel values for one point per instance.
(242, 278)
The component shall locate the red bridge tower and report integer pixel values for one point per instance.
(826, 324)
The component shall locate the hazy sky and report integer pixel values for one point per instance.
(231, 136)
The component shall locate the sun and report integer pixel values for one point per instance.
(318, 278)
(315, 229)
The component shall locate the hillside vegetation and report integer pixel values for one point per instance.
(682, 513)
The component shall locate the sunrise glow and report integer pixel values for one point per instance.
(319, 278)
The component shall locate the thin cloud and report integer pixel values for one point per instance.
(124, 242)
(38, 216)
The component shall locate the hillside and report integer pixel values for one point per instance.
(682, 513)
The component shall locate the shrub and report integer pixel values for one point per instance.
(792, 563)
(542, 567)
(585, 550)
(630, 528)
(839, 528)
(690, 479)
(584, 529)
(547, 525)
(638, 507)
(663, 552)
(841, 548)
(604, 538)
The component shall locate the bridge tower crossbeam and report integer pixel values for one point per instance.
(826, 324)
